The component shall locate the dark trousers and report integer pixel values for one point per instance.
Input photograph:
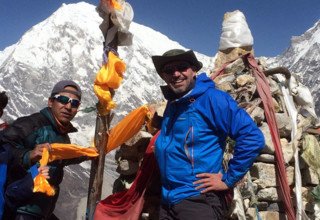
(21, 216)
(207, 206)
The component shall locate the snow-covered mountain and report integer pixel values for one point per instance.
(303, 58)
(68, 45)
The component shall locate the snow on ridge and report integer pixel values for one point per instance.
(57, 29)
(5, 53)
(150, 38)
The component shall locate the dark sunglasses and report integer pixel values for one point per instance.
(180, 67)
(65, 100)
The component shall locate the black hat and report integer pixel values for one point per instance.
(60, 87)
(175, 55)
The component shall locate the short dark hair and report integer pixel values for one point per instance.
(3, 100)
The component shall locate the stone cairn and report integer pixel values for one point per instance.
(259, 188)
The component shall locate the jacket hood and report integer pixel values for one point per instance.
(203, 82)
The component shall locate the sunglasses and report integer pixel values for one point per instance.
(65, 100)
(180, 67)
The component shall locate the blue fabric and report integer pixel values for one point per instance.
(192, 140)
(5, 156)
(34, 171)
(3, 175)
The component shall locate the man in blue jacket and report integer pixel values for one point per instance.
(189, 150)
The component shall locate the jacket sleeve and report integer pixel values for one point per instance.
(15, 135)
(20, 191)
(236, 123)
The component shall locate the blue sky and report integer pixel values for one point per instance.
(194, 24)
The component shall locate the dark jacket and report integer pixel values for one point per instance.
(193, 138)
(23, 135)
(19, 191)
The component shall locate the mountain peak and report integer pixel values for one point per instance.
(302, 58)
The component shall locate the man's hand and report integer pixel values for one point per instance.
(44, 170)
(210, 182)
(36, 153)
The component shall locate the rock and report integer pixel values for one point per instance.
(268, 194)
(244, 79)
(284, 125)
(127, 167)
(266, 158)
(309, 177)
(266, 176)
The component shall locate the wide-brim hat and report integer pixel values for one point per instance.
(176, 55)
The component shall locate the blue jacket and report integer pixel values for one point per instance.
(193, 138)
(5, 156)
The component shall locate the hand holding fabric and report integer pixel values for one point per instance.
(36, 154)
(44, 171)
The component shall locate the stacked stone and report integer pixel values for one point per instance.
(259, 189)
(129, 158)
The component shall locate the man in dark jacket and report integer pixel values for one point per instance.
(29, 135)
(189, 149)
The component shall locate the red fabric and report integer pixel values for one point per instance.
(128, 205)
(3, 125)
(220, 71)
(265, 94)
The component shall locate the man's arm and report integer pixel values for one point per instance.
(249, 142)
(20, 136)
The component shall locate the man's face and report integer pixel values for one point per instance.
(64, 113)
(179, 76)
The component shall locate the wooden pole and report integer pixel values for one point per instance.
(97, 165)
(103, 122)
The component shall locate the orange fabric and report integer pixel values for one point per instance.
(109, 77)
(113, 4)
(104, 95)
(41, 184)
(69, 151)
(111, 73)
(59, 152)
(127, 127)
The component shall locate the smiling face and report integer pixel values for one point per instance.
(64, 113)
(179, 76)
